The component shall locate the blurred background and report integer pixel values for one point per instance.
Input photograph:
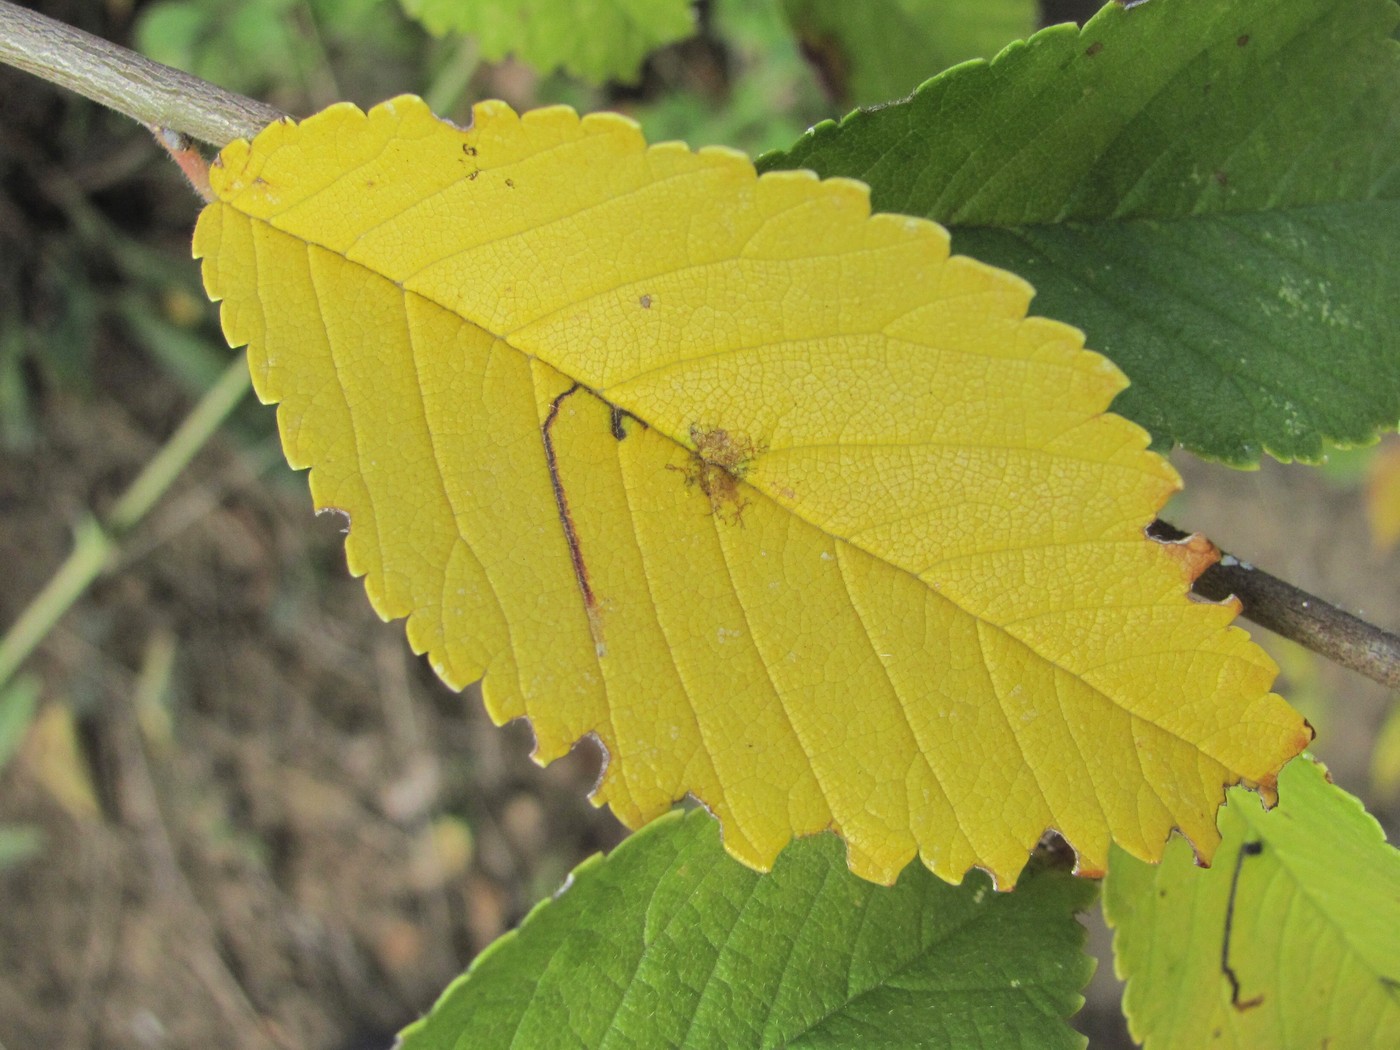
(235, 811)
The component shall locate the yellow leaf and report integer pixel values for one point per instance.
(54, 755)
(792, 510)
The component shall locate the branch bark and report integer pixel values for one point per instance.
(156, 95)
(1297, 615)
(161, 97)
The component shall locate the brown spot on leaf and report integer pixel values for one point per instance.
(717, 467)
(470, 151)
(1242, 40)
(1267, 785)
(1222, 179)
(644, 302)
(1093, 49)
(510, 184)
(1195, 553)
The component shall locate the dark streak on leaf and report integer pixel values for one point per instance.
(1249, 849)
(561, 502)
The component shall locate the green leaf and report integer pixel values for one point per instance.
(762, 63)
(882, 49)
(244, 46)
(598, 40)
(1209, 190)
(1313, 932)
(670, 942)
(263, 47)
(18, 701)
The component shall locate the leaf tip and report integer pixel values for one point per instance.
(1203, 847)
(1266, 786)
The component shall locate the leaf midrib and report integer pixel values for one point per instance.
(750, 487)
(974, 916)
(1259, 822)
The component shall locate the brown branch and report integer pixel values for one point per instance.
(155, 95)
(1297, 615)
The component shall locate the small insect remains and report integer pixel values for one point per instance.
(718, 464)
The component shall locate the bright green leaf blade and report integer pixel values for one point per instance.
(882, 49)
(670, 942)
(597, 39)
(1314, 930)
(1262, 138)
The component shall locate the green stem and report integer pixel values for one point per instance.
(96, 543)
